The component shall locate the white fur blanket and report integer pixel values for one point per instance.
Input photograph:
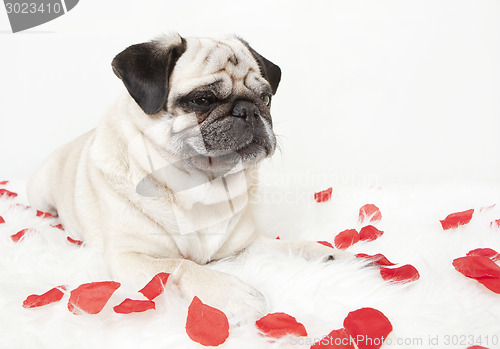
(442, 309)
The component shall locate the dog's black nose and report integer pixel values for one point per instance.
(245, 109)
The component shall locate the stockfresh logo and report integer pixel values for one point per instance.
(26, 14)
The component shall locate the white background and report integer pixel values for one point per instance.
(379, 91)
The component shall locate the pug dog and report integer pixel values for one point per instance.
(165, 183)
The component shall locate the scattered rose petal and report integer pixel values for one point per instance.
(480, 267)
(206, 325)
(323, 195)
(7, 193)
(404, 274)
(485, 252)
(477, 266)
(4, 182)
(156, 286)
(337, 339)
(133, 306)
(457, 219)
(377, 259)
(368, 327)
(326, 243)
(73, 241)
(477, 347)
(20, 234)
(492, 284)
(43, 214)
(278, 238)
(346, 238)
(58, 226)
(2, 220)
(370, 233)
(51, 296)
(369, 212)
(277, 325)
(495, 223)
(92, 297)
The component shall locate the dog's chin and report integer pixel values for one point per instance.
(218, 163)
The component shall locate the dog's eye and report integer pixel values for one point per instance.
(202, 101)
(266, 99)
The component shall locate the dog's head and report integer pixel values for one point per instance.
(221, 89)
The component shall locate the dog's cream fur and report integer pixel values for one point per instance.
(91, 184)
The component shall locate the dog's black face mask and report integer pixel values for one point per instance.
(234, 126)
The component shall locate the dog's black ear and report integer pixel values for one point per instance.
(145, 70)
(270, 71)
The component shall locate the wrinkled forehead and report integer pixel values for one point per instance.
(226, 63)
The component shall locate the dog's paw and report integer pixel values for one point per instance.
(238, 298)
(313, 251)
(337, 256)
(224, 292)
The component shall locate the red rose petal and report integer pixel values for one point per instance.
(2, 220)
(346, 238)
(51, 296)
(20, 234)
(278, 238)
(476, 347)
(492, 284)
(337, 339)
(58, 226)
(156, 286)
(206, 325)
(370, 212)
(485, 252)
(378, 259)
(370, 233)
(323, 195)
(368, 327)
(495, 224)
(76, 242)
(7, 193)
(404, 274)
(326, 243)
(43, 214)
(477, 266)
(457, 219)
(277, 325)
(4, 182)
(92, 297)
(133, 306)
